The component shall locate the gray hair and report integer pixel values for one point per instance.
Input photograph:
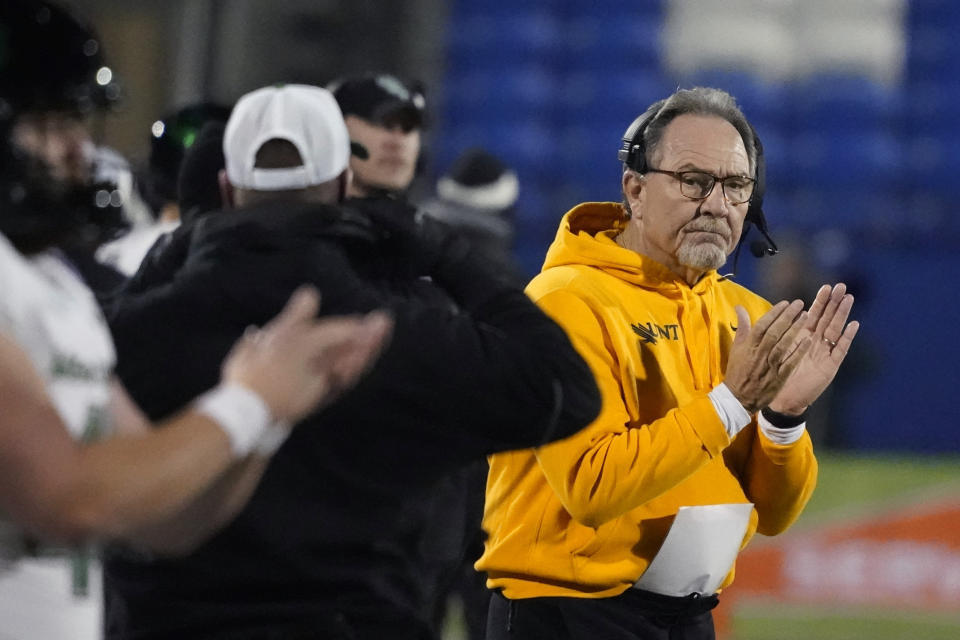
(703, 101)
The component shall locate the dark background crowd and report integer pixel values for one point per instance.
(511, 115)
(856, 115)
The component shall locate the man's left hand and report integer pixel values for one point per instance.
(832, 336)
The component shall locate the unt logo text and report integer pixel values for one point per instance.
(649, 332)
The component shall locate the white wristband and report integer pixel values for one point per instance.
(780, 436)
(272, 439)
(732, 414)
(240, 412)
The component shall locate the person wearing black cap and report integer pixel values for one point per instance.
(170, 139)
(198, 181)
(384, 116)
(329, 546)
(199, 192)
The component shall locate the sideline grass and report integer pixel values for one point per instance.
(805, 623)
(852, 486)
(849, 484)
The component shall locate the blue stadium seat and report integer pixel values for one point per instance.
(527, 145)
(932, 216)
(625, 38)
(452, 139)
(931, 165)
(494, 39)
(616, 95)
(846, 159)
(778, 208)
(932, 108)
(845, 102)
(587, 155)
(609, 9)
(866, 208)
(493, 95)
(922, 13)
(933, 52)
(780, 158)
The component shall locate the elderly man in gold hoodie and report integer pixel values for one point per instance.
(629, 529)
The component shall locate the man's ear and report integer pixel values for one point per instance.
(632, 184)
(226, 190)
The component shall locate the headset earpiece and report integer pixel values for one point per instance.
(632, 151)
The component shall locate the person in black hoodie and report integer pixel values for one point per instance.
(385, 117)
(327, 547)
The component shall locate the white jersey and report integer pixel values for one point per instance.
(127, 252)
(53, 317)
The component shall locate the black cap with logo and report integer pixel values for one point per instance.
(382, 99)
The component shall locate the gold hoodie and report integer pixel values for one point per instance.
(584, 517)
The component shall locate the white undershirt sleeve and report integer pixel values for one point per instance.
(731, 412)
(778, 435)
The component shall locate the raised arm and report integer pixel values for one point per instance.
(65, 490)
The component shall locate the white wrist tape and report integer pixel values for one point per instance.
(240, 412)
(273, 438)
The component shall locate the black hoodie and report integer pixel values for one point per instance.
(327, 543)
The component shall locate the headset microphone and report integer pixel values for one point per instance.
(764, 247)
(759, 248)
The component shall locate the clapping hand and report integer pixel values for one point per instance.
(830, 334)
(298, 362)
(765, 355)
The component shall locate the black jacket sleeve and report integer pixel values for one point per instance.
(457, 382)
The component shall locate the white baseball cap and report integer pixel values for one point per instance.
(308, 117)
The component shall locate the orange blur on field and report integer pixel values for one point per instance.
(908, 560)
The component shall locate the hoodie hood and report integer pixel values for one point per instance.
(586, 237)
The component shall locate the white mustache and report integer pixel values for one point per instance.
(717, 227)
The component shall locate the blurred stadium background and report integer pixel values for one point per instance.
(856, 102)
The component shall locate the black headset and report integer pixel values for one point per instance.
(633, 154)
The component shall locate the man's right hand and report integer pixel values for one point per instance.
(763, 356)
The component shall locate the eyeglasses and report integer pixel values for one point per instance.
(698, 185)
